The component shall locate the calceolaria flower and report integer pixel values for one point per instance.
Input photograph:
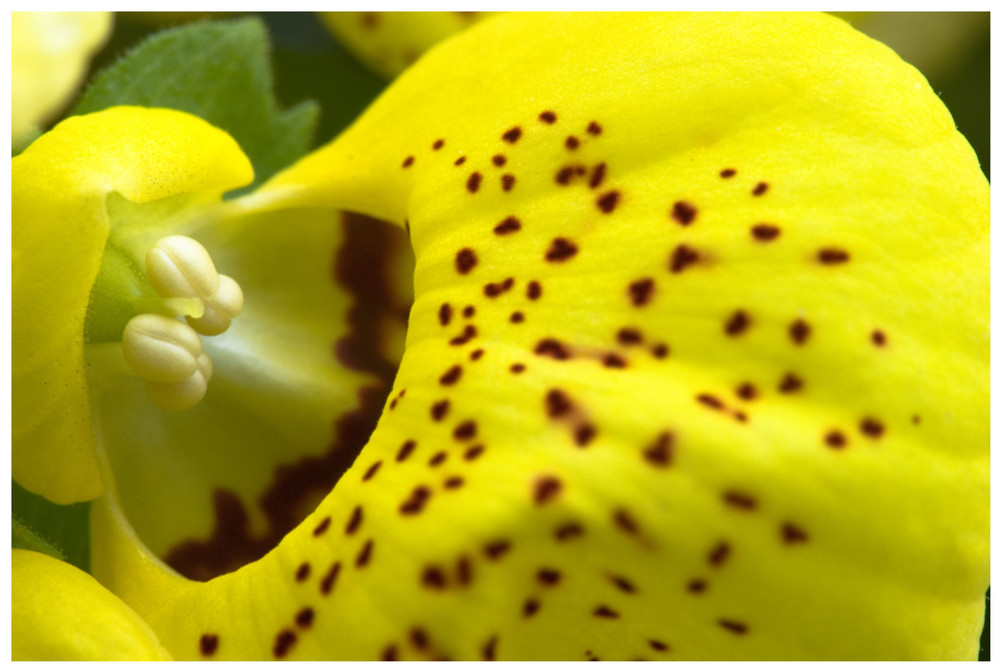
(696, 365)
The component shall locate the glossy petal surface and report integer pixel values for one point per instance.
(696, 367)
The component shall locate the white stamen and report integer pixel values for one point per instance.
(161, 349)
(220, 309)
(186, 394)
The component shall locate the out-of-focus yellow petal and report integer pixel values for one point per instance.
(697, 365)
(59, 613)
(50, 53)
(389, 42)
(60, 186)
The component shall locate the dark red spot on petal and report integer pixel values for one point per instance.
(451, 376)
(697, 586)
(302, 572)
(682, 257)
(438, 459)
(372, 470)
(507, 181)
(622, 583)
(710, 401)
(760, 188)
(490, 649)
(660, 350)
(405, 450)
(437, 144)
(444, 314)
(594, 128)
(440, 409)
(330, 579)
(605, 611)
(417, 500)
(517, 368)
(683, 213)
(624, 521)
(719, 554)
(799, 331)
(534, 290)
(473, 453)
(460, 160)
(512, 135)
(557, 403)
(629, 336)
(323, 525)
(283, 642)
(408, 161)
(661, 452)
(546, 489)
(568, 531)
(548, 576)
(765, 232)
(561, 250)
(790, 383)
(499, 160)
(872, 428)
(726, 173)
(835, 439)
(208, 644)
(434, 577)
(465, 431)
(572, 142)
(355, 521)
(584, 434)
(792, 534)
(472, 184)
(552, 348)
(741, 500)
(879, 338)
(496, 549)
(832, 256)
(304, 618)
(547, 116)
(509, 225)
(607, 202)
(465, 260)
(641, 291)
(733, 626)
(597, 175)
(746, 391)
(737, 323)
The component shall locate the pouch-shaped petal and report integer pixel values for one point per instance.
(60, 189)
(696, 368)
(59, 613)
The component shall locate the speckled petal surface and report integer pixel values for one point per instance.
(696, 369)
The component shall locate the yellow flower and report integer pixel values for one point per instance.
(50, 53)
(696, 366)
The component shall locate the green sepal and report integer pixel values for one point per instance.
(62, 532)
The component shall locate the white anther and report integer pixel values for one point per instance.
(220, 309)
(179, 267)
(186, 394)
(161, 349)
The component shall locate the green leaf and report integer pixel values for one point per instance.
(221, 72)
(40, 525)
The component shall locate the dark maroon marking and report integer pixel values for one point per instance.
(507, 181)
(682, 257)
(451, 376)
(760, 189)
(597, 176)
(444, 314)
(328, 581)
(710, 401)
(472, 184)
(765, 232)
(476, 354)
(546, 489)
(790, 383)
(496, 549)
(474, 452)
(512, 135)
(832, 255)
(624, 521)
(465, 260)
(719, 554)
(490, 647)
(434, 577)
(697, 586)
(419, 639)
(405, 450)
(304, 618)
(552, 348)
(915, 419)
(746, 391)
(494, 289)
(659, 646)
(605, 611)
(517, 368)
(534, 290)
(302, 572)
(499, 160)
(365, 556)
(516, 317)
(463, 570)
(660, 350)
(572, 142)
(799, 331)
(454, 482)
(460, 160)
(661, 452)
(418, 499)
(390, 654)
(594, 128)
(465, 431)
(468, 311)
(568, 531)
(530, 607)
(879, 338)
(408, 161)
(737, 323)
(354, 522)
(792, 534)
(509, 225)
(437, 459)
(548, 576)
(564, 175)
(283, 642)
(437, 144)
(624, 584)
(324, 524)
(726, 173)
(561, 250)
(208, 644)
(612, 360)
(406, 225)
(872, 428)
(468, 333)
(641, 291)
(835, 439)
(740, 416)
(584, 434)
(607, 202)
(629, 336)
(440, 409)
(733, 626)
(684, 212)
(740, 500)
(557, 403)
(547, 116)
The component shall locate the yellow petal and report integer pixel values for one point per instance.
(696, 369)
(59, 613)
(388, 42)
(60, 186)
